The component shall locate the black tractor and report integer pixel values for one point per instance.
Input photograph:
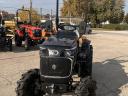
(65, 68)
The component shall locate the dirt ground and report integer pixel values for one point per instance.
(110, 68)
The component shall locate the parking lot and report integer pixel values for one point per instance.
(110, 68)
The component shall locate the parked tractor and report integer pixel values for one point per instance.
(64, 59)
(47, 28)
(29, 34)
(5, 39)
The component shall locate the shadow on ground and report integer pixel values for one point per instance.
(22, 49)
(110, 76)
(16, 49)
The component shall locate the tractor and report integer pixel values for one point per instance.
(31, 35)
(5, 39)
(47, 27)
(65, 68)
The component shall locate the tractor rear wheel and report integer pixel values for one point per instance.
(85, 67)
(89, 61)
(87, 87)
(10, 44)
(90, 31)
(18, 41)
(30, 84)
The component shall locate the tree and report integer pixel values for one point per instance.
(126, 18)
(117, 12)
(24, 15)
(69, 8)
(96, 11)
(7, 16)
(108, 10)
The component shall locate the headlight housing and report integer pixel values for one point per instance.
(48, 52)
(60, 53)
(53, 52)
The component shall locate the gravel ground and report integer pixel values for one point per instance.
(110, 68)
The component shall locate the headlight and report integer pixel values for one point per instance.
(53, 52)
(48, 52)
(43, 51)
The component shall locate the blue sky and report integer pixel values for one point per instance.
(12, 5)
(126, 6)
(47, 5)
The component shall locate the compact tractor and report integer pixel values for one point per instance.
(65, 67)
(5, 39)
(31, 35)
(47, 28)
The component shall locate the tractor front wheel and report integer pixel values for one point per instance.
(30, 84)
(10, 44)
(18, 41)
(86, 87)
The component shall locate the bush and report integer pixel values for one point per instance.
(116, 26)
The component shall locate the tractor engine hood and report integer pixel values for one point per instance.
(58, 47)
(53, 41)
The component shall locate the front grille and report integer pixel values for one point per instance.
(55, 67)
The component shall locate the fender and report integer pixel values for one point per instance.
(19, 33)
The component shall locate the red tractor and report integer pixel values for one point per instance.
(30, 34)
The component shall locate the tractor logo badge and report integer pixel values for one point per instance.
(54, 67)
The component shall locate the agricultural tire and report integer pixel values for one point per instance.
(86, 87)
(30, 84)
(90, 32)
(18, 41)
(85, 67)
(3, 43)
(89, 60)
(10, 44)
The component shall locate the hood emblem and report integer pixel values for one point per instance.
(54, 67)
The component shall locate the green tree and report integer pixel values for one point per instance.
(24, 15)
(117, 12)
(69, 8)
(126, 18)
(96, 11)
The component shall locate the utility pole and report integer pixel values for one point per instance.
(30, 11)
(57, 14)
(51, 15)
(41, 12)
(1, 18)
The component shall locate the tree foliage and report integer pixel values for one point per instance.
(7, 15)
(126, 18)
(96, 11)
(24, 15)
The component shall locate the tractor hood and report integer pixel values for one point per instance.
(56, 42)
